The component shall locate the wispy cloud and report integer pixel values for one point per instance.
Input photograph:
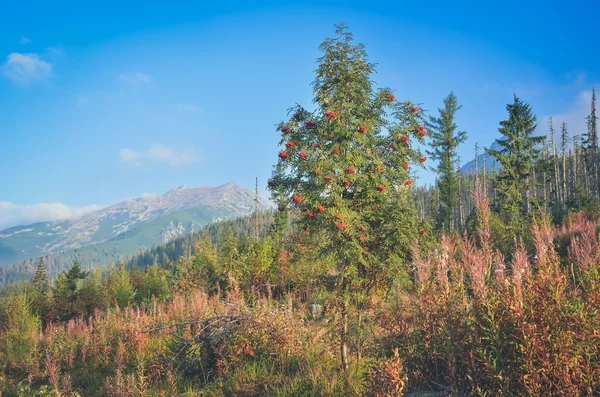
(160, 154)
(189, 107)
(575, 116)
(24, 40)
(136, 79)
(14, 214)
(26, 69)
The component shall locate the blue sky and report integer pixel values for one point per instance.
(108, 100)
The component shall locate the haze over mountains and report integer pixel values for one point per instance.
(126, 227)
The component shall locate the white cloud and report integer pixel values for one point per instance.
(14, 214)
(135, 78)
(575, 117)
(160, 154)
(24, 40)
(26, 68)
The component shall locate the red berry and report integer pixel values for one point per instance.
(422, 134)
(335, 152)
(298, 116)
(421, 128)
(285, 130)
(392, 97)
(282, 155)
(408, 183)
(389, 146)
(405, 165)
(381, 169)
(351, 170)
(338, 216)
(321, 208)
(422, 232)
(290, 145)
(381, 188)
(415, 109)
(309, 123)
(404, 138)
(327, 179)
(297, 199)
(330, 114)
(362, 129)
(310, 214)
(423, 159)
(302, 155)
(340, 226)
(346, 183)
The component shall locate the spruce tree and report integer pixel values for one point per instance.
(516, 156)
(444, 141)
(40, 279)
(345, 170)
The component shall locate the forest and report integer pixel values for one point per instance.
(359, 282)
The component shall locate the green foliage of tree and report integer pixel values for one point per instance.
(154, 283)
(65, 293)
(121, 290)
(343, 170)
(445, 139)
(517, 158)
(20, 333)
(40, 280)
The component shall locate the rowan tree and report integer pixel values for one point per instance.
(345, 169)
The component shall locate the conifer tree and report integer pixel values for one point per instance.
(516, 156)
(444, 142)
(40, 280)
(345, 170)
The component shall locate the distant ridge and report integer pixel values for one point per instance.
(122, 228)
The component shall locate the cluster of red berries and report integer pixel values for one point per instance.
(362, 129)
(309, 123)
(330, 114)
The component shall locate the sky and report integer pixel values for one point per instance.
(103, 101)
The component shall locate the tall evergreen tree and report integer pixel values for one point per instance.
(40, 279)
(444, 141)
(516, 156)
(345, 169)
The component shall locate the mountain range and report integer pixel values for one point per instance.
(483, 157)
(129, 226)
